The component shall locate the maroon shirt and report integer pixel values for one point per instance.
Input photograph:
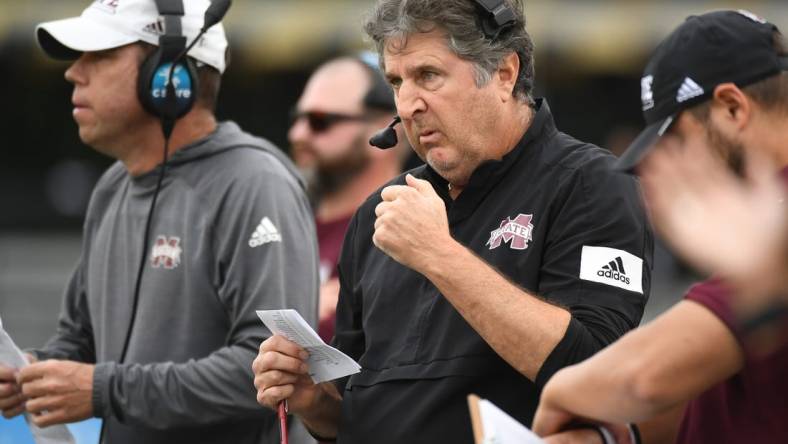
(751, 406)
(329, 240)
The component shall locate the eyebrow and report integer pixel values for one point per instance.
(416, 68)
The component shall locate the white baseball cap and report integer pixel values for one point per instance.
(108, 24)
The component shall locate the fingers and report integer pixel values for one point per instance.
(421, 185)
(37, 388)
(281, 345)
(273, 378)
(50, 418)
(579, 436)
(12, 412)
(12, 401)
(381, 208)
(44, 404)
(35, 371)
(273, 361)
(7, 374)
(271, 397)
(392, 192)
(12, 405)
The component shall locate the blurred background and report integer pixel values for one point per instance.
(590, 54)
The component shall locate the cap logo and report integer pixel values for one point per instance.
(107, 5)
(155, 28)
(646, 93)
(689, 90)
(751, 16)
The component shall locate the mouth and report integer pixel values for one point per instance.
(429, 137)
(79, 105)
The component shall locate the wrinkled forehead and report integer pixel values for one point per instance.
(432, 40)
(406, 52)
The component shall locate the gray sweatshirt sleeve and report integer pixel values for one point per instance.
(279, 271)
(73, 339)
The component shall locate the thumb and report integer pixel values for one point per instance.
(420, 185)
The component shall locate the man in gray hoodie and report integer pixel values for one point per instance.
(158, 329)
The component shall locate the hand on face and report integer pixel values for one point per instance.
(280, 373)
(718, 222)
(58, 392)
(411, 223)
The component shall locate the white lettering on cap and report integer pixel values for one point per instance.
(751, 16)
(646, 93)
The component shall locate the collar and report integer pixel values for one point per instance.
(489, 173)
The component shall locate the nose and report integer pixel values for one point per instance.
(409, 101)
(75, 73)
(299, 131)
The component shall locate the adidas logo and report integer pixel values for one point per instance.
(155, 28)
(614, 270)
(689, 89)
(264, 233)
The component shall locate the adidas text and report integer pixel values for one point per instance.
(265, 233)
(613, 275)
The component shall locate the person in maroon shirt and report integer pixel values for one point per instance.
(344, 103)
(715, 96)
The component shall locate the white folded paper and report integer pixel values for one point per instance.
(11, 356)
(325, 362)
(491, 425)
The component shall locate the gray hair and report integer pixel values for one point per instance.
(459, 19)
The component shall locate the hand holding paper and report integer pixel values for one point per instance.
(12, 357)
(325, 362)
(294, 361)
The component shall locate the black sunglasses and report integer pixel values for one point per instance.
(319, 121)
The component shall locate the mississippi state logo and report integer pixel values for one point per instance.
(107, 5)
(517, 232)
(166, 252)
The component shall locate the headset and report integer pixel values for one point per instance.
(494, 17)
(166, 88)
(166, 66)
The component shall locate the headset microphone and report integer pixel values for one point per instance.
(387, 137)
(215, 13)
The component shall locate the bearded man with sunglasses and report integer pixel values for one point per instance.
(345, 101)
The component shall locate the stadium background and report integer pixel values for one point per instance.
(589, 56)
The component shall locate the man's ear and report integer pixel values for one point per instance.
(730, 107)
(506, 76)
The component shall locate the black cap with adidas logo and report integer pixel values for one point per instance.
(705, 51)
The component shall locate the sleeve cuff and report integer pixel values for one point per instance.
(562, 355)
(102, 378)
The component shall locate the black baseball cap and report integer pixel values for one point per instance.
(705, 51)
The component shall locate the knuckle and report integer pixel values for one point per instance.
(267, 360)
(256, 365)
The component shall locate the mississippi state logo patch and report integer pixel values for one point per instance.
(166, 252)
(516, 232)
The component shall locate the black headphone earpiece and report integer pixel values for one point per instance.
(153, 88)
(495, 17)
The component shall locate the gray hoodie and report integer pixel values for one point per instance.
(232, 233)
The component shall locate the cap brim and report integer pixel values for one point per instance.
(68, 38)
(639, 148)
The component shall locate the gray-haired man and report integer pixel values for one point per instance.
(512, 253)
